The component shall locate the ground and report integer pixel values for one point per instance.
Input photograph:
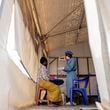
(67, 107)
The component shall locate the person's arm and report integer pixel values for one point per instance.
(70, 66)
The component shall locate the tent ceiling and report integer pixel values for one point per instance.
(63, 21)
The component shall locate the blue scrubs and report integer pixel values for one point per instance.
(70, 69)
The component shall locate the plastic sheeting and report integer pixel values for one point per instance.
(16, 89)
(98, 44)
(4, 60)
(24, 43)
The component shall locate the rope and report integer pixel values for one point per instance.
(28, 72)
(64, 18)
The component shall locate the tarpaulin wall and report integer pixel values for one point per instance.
(97, 12)
(16, 89)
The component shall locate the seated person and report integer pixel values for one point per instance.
(53, 90)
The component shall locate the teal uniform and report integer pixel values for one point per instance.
(70, 69)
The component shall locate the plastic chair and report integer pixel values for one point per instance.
(83, 90)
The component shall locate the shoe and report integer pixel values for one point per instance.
(68, 103)
(74, 103)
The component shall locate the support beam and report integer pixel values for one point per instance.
(52, 61)
(57, 66)
(55, 35)
(35, 15)
(36, 19)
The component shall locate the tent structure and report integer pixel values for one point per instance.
(30, 29)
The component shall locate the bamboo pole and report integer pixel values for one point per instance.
(37, 25)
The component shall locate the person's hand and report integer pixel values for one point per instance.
(52, 77)
(62, 71)
(61, 68)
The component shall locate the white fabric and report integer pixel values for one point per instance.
(98, 45)
(22, 91)
(105, 14)
(24, 44)
(5, 16)
(16, 89)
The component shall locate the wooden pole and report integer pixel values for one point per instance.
(89, 75)
(35, 16)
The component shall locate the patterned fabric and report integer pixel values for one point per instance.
(42, 73)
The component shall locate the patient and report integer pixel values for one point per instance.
(53, 90)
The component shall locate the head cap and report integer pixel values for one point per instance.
(68, 52)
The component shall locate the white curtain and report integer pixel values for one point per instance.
(97, 12)
(5, 17)
(22, 90)
(16, 89)
(24, 44)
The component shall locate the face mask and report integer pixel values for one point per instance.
(67, 58)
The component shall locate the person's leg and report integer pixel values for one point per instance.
(69, 84)
(54, 93)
